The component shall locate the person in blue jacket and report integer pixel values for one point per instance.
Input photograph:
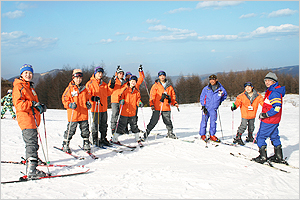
(211, 98)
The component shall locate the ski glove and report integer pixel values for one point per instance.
(204, 110)
(112, 82)
(169, 98)
(263, 115)
(163, 96)
(122, 102)
(88, 105)
(39, 106)
(95, 98)
(72, 105)
(140, 68)
(152, 108)
(141, 104)
(233, 107)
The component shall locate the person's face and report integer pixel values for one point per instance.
(269, 82)
(27, 75)
(98, 75)
(162, 78)
(248, 89)
(77, 80)
(128, 76)
(120, 75)
(213, 81)
(132, 83)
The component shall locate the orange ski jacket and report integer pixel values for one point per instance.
(78, 95)
(244, 102)
(155, 95)
(132, 98)
(98, 88)
(23, 94)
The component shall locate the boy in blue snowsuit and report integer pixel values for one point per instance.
(211, 98)
(270, 118)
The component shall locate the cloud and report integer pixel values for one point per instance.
(104, 41)
(153, 21)
(218, 37)
(213, 51)
(247, 15)
(179, 10)
(20, 40)
(136, 39)
(217, 4)
(23, 6)
(118, 33)
(282, 12)
(14, 15)
(167, 29)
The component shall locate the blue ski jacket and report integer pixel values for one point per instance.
(211, 100)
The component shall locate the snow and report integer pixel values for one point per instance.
(164, 168)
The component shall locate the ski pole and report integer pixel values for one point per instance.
(144, 124)
(145, 84)
(220, 124)
(118, 119)
(232, 125)
(46, 137)
(70, 124)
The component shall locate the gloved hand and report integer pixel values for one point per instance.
(39, 106)
(112, 82)
(141, 104)
(169, 98)
(95, 98)
(163, 96)
(263, 115)
(233, 107)
(204, 110)
(122, 102)
(152, 108)
(140, 68)
(88, 105)
(72, 105)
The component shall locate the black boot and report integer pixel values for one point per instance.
(250, 137)
(262, 156)
(238, 139)
(146, 133)
(171, 135)
(277, 157)
(66, 147)
(95, 139)
(86, 145)
(31, 170)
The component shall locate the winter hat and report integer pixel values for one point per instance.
(271, 76)
(26, 67)
(98, 69)
(133, 77)
(9, 91)
(77, 72)
(162, 73)
(248, 84)
(120, 70)
(211, 77)
(128, 73)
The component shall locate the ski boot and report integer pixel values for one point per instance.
(86, 145)
(146, 133)
(31, 171)
(104, 142)
(262, 158)
(250, 137)
(277, 157)
(66, 147)
(171, 135)
(238, 139)
(203, 137)
(95, 139)
(214, 138)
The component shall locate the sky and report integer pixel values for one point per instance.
(179, 37)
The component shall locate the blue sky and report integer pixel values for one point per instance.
(188, 37)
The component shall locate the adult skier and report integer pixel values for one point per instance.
(270, 118)
(99, 91)
(76, 100)
(162, 96)
(130, 98)
(211, 98)
(248, 102)
(28, 110)
(8, 104)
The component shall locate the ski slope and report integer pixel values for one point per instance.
(164, 168)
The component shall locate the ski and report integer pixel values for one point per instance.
(75, 156)
(110, 148)
(25, 179)
(268, 163)
(42, 165)
(189, 141)
(124, 145)
(285, 163)
(90, 154)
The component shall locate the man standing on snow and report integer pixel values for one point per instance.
(211, 98)
(270, 118)
(8, 104)
(248, 102)
(162, 95)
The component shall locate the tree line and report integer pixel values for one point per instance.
(187, 88)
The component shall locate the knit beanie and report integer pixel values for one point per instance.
(271, 76)
(98, 69)
(120, 70)
(26, 67)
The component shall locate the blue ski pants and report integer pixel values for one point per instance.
(265, 131)
(212, 114)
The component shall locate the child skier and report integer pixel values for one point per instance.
(8, 104)
(248, 102)
(76, 100)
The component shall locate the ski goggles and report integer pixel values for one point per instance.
(133, 77)
(248, 84)
(100, 69)
(162, 73)
(212, 77)
(78, 74)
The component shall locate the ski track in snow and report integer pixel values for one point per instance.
(163, 168)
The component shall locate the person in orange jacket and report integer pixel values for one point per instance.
(99, 91)
(76, 100)
(28, 110)
(130, 98)
(162, 95)
(248, 102)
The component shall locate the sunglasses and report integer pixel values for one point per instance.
(78, 74)
(161, 73)
(248, 84)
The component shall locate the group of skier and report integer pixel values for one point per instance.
(125, 100)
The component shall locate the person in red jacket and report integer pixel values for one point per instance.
(99, 91)
(130, 98)
(28, 110)
(248, 101)
(162, 95)
(76, 100)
